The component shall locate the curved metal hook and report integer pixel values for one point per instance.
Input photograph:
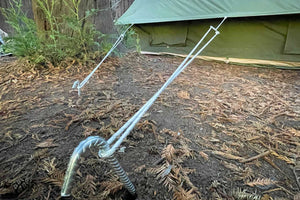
(73, 164)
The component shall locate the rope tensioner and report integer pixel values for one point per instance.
(108, 148)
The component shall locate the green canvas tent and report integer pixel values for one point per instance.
(256, 31)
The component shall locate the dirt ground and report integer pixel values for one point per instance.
(219, 131)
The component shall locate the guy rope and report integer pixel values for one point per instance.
(77, 84)
(109, 147)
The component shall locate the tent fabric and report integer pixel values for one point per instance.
(161, 34)
(263, 38)
(145, 11)
(292, 45)
(255, 30)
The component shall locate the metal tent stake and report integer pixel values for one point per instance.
(105, 151)
(73, 164)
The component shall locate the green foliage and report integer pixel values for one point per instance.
(132, 40)
(1, 49)
(107, 43)
(66, 36)
(138, 46)
(69, 35)
(24, 42)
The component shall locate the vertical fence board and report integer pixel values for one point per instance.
(123, 5)
(103, 20)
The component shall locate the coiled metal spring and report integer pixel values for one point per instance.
(73, 164)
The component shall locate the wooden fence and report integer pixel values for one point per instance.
(109, 11)
(27, 7)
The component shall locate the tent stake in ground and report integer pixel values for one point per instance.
(105, 151)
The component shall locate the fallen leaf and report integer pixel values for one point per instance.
(297, 196)
(79, 173)
(203, 155)
(266, 197)
(47, 143)
(8, 135)
(261, 182)
(183, 95)
(294, 132)
(227, 155)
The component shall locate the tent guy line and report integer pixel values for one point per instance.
(135, 119)
(105, 151)
(77, 84)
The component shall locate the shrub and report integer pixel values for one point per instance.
(24, 42)
(67, 36)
